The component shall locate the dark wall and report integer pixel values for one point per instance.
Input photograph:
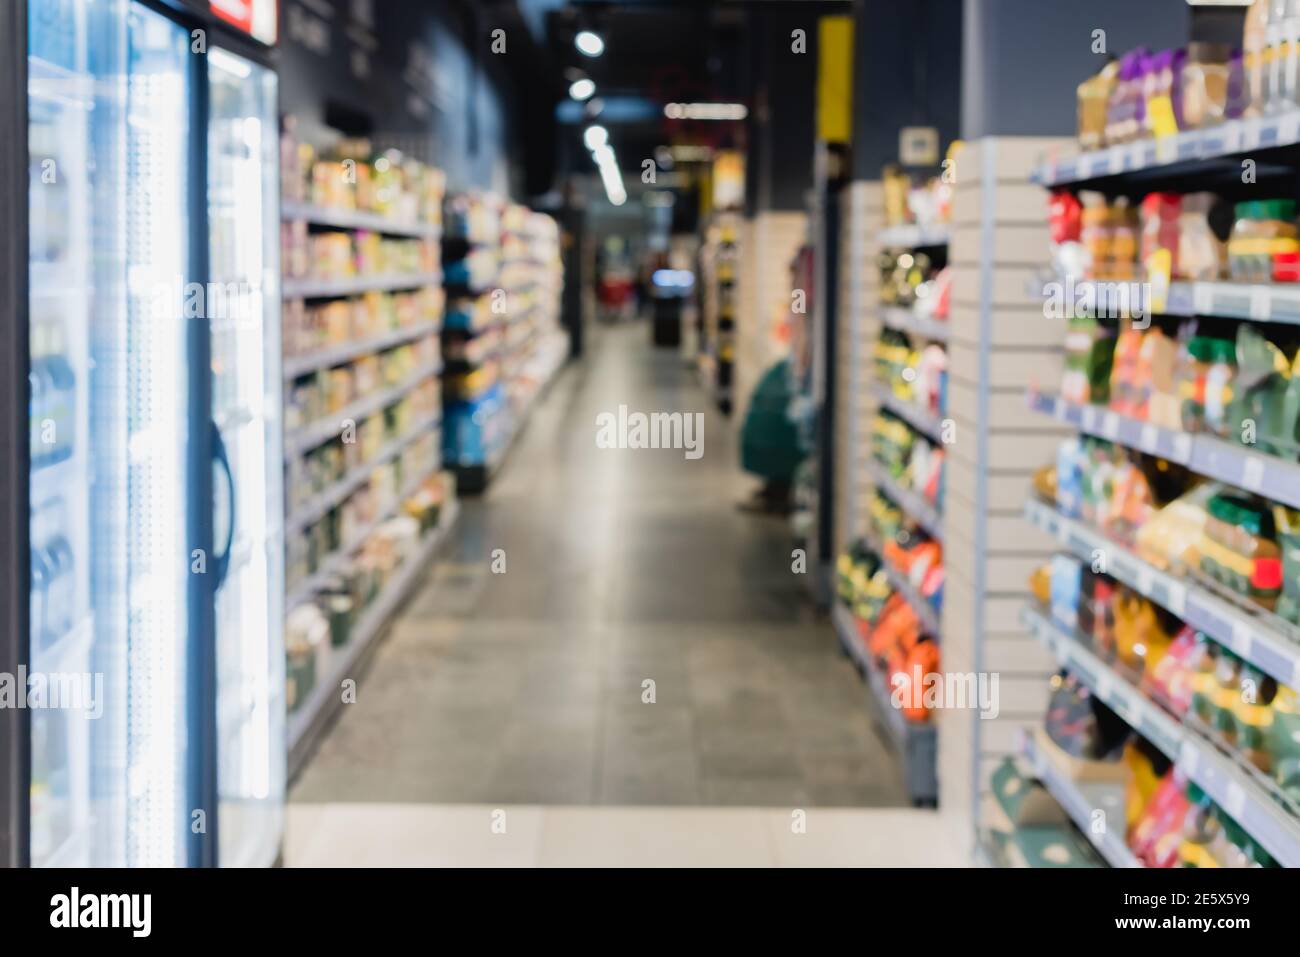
(907, 72)
(420, 76)
(1024, 59)
(785, 89)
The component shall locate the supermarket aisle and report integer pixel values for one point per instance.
(525, 687)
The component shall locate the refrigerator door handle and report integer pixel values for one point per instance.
(222, 459)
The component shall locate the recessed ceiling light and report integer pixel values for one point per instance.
(589, 44)
(582, 89)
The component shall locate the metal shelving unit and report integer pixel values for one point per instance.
(1190, 147)
(356, 219)
(924, 421)
(309, 719)
(915, 742)
(1263, 639)
(922, 512)
(299, 440)
(296, 366)
(312, 288)
(1079, 801)
(319, 505)
(1236, 787)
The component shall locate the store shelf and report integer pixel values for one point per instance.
(308, 720)
(1140, 712)
(330, 498)
(1080, 801)
(915, 742)
(296, 366)
(1232, 785)
(1190, 147)
(300, 440)
(905, 320)
(931, 426)
(1264, 640)
(337, 561)
(925, 611)
(356, 219)
(1260, 302)
(922, 512)
(1207, 455)
(310, 288)
(911, 236)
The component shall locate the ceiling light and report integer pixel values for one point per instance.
(589, 44)
(706, 111)
(581, 89)
(595, 136)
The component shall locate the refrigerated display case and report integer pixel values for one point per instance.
(244, 223)
(153, 553)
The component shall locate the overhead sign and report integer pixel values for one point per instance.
(257, 18)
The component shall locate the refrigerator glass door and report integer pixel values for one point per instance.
(244, 316)
(108, 105)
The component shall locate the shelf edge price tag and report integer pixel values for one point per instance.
(1252, 473)
(1261, 306)
(1235, 800)
(1188, 758)
(1183, 447)
(1150, 438)
(1110, 426)
(1242, 634)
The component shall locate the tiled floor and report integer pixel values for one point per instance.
(621, 567)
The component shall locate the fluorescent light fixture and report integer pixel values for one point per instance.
(595, 136)
(706, 111)
(589, 44)
(603, 155)
(582, 89)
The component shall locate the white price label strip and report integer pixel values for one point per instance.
(1242, 635)
(1260, 304)
(1235, 801)
(1252, 473)
(1189, 758)
(1150, 438)
(1110, 426)
(1182, 447)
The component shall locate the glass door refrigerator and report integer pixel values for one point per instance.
(151, 439)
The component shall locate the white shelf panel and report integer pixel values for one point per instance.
(1216, 142)
(1264, 640)
(922, 512)
(356, 219)
(337, 493)
(1231, 785)
(299, 440)
(296, 366)
(308, 288)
